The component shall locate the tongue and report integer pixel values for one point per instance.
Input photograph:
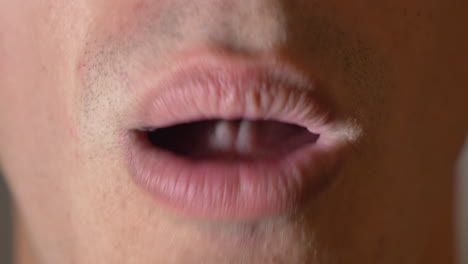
(239, 139)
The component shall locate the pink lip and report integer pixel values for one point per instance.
(226, 88)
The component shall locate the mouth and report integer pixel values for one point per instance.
(231, 140)
(227, 139)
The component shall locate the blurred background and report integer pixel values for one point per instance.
(462, 214)
(462, 206)
(5, 224)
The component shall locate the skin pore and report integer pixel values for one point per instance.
(72, 71)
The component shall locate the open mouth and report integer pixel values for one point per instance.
(233, 140)
(219, 138)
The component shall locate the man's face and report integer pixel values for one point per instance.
(82, 81)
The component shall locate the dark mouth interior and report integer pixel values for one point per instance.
(232, 139)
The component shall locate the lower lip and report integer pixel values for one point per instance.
(231, 189)
(222, 189)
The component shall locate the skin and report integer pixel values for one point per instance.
(69, 73)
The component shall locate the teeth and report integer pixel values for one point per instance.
(233, 136)
(245, 136)
(225, 133)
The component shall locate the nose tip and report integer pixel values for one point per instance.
(251, 25)
(242, 26)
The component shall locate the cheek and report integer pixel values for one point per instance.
(37, 87)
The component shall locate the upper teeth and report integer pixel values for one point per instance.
(229, 135)
(245, 136)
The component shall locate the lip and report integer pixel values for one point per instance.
(217, 87)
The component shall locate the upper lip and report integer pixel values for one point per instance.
(216, 87)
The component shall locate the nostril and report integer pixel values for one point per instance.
(231, 139)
